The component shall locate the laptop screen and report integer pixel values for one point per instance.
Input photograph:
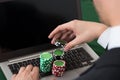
(27, 23)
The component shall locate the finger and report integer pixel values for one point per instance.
(57, 30)
(35, 73)
(73, 43)
(56, 37)
(28, 68)
(21, 70)
(65, 26)
(66, 35)
(13, 77)
(71, 37)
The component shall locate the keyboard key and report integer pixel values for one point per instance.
(75, 58)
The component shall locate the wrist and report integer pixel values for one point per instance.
(102, 28)
(115, 23)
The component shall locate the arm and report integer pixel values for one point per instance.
(107, 67)
(76, 32)
(109, 14)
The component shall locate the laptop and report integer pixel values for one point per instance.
(25, 27)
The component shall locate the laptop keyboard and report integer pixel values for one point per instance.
(75, 58)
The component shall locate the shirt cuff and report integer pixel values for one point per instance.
(110, 37)
(114, 41)
(103, 40)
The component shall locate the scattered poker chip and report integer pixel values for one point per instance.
(58, 54)
(60, 43)
(58, 68)
(46, 60)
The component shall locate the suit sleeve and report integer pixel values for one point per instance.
(106, 68)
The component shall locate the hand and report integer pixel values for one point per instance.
(76, 32)
(28, 73)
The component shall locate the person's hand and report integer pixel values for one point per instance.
(108, 11)
(28, 73)
(76, 32)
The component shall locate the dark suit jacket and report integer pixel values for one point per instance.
(106, 68)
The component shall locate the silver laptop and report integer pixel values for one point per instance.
(28, 29)
(69, 74)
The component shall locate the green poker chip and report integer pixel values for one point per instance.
(46, 60)
(59, 63)
(58, 54)
(45, 55)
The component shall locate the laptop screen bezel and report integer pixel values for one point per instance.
(33, 49)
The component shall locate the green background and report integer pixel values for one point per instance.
(2, 77)
(89, 14)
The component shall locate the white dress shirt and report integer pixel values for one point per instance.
(110, 38)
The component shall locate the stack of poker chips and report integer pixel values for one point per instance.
(46, 60)
(58, 54)
(58, 68)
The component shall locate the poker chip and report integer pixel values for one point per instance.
(58, 68)
(60, 43)
(58, 54)
(46, 60)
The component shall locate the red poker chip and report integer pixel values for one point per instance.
(58, 68)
